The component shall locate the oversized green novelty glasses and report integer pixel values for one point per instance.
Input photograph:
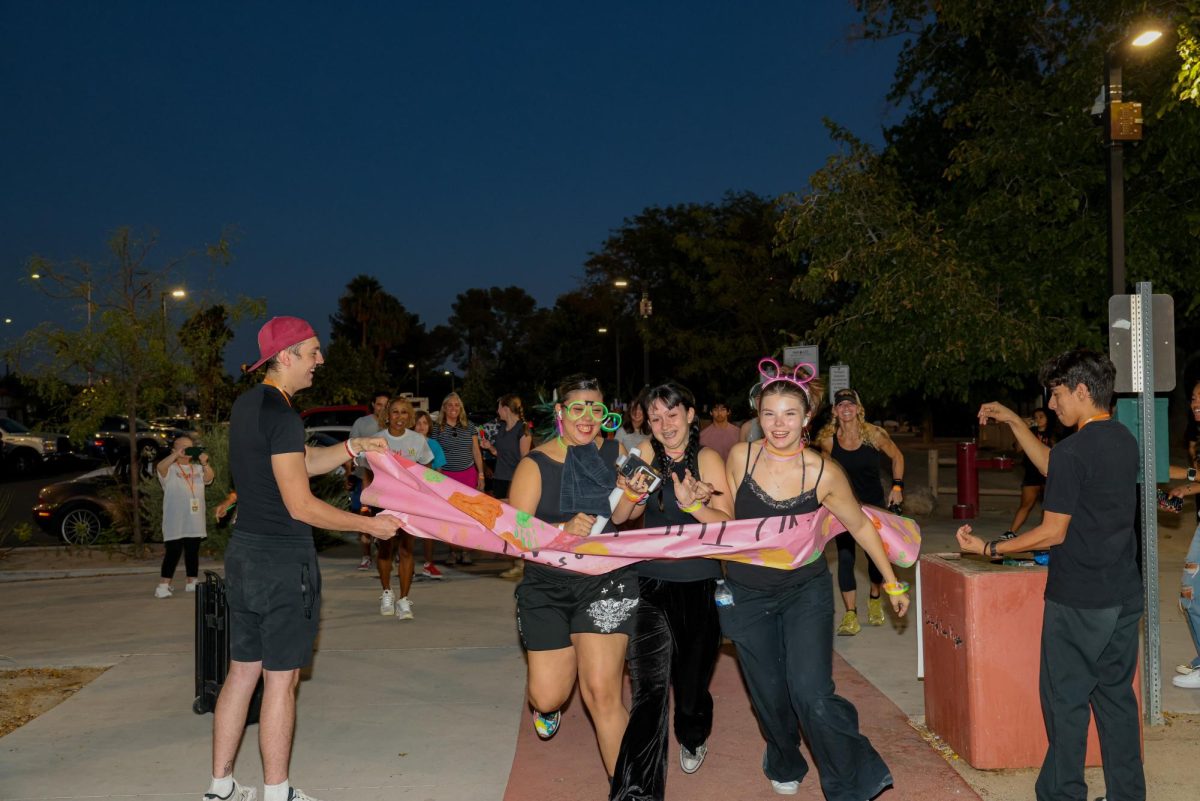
(596, 411)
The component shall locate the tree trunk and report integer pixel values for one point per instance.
(134, 476)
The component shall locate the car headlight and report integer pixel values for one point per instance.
(49, 447)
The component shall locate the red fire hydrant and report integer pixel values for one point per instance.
(967, 468)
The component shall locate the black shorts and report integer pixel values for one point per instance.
(554, 604)
(274, 597)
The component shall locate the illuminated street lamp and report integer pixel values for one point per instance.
(178, 294)
(1122, 123)
(417, 370)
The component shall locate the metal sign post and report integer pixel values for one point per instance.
(1142, 351)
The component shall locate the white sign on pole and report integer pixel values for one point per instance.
(803, 354)
(839, 378)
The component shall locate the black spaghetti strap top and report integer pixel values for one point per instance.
(548, 509)
(697, 569)
(752, 501)
(862, 468)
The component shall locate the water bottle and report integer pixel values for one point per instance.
(723, 596)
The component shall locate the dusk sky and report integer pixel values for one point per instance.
(436, 146)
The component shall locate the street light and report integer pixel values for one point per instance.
(617, 337)
(1122, 123)
(448, 373)
(412, 366)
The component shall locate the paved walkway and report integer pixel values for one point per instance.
(427, 709)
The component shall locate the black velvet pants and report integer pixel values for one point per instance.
(674, 647)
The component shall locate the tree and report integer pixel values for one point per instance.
(490, 331)
(371, 319)
(203, 337)
(123, 352)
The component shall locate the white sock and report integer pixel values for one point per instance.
(221, 786)
(276, 792)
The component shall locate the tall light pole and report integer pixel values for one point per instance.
(7, 322)
(645, 309)
(451, 375)
(412, 366)
(1122, 123)
(617, 337)
(177, 293)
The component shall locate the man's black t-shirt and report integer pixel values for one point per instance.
(1093, 478)
(261, 425)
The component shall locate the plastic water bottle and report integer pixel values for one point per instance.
(723, 596)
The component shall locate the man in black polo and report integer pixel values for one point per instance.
(1093, 589)
(273, 582)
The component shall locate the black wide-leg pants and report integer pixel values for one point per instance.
(674, 648)
(784, 640)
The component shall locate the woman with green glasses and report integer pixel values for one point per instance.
(574, 625)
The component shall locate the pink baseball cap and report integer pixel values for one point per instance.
(280, 333)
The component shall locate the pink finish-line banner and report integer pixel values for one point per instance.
(431, 505)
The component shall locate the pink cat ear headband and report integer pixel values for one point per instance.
(771, 371)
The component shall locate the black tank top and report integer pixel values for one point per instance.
(673, 569)
(862, 468)
(549, 511)
(752, 501)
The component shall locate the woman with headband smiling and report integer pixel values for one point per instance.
(783, 619)
(571, 624)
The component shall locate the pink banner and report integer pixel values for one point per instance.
(431, 505)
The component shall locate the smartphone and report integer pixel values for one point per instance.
(632, 465)
(193, 451)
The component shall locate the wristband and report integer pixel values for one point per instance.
(897, 483)
(634, 498)
(353, 455)
(990, 548)
(896, 588)
(1191, 474)
(691, 510)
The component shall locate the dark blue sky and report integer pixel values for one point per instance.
(436, 146)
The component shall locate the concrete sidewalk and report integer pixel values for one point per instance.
(424, 709)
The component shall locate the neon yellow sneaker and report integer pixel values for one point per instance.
(546, 725)
(875, 611)
(849, 625)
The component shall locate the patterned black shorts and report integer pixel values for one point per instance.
(553, 604)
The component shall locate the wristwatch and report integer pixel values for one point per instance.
(991, 548)
(1191, 474)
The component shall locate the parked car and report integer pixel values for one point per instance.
(111, 440)
(320, 416)
(79, 510)
(190, 425)
(25, 450)
(334, 434)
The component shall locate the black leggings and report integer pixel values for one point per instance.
(190, 548)
(846, 553)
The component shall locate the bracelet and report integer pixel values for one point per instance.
(896, 588)
(898, 488)
(691, 510)
(989, 548)
(353, 455)
(635, 498)
(1191, 474)
(897, 483)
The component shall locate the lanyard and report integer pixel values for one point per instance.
(286, 397)
(1104, 416)
(187, 477)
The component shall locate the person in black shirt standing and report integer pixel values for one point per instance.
(1093, 591)
(273, 582)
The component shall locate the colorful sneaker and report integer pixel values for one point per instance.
(365, 564)
(387, 603)
(404, 609)
(546, 725)
(785, 788)
(429, 570)
(163, 591)
(238, 793)
(690, 761)
(848, 627)
(875, 611)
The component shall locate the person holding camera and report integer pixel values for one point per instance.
(183, 474)
(677, 634)
(856, 445)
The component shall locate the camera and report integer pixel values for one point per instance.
(632, 465)
(1169, 504)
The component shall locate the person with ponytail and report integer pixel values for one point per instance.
(677, 634)
(571, 624)
(782, 620)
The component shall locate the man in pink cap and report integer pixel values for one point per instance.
(273, 582)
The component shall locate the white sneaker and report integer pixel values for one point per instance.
(690, 761)
(1189, 682)
(404, 609)
(163, 591)
(299, 795)
(238, 793)
(785, 788)
(387, 603)
(191, 586)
